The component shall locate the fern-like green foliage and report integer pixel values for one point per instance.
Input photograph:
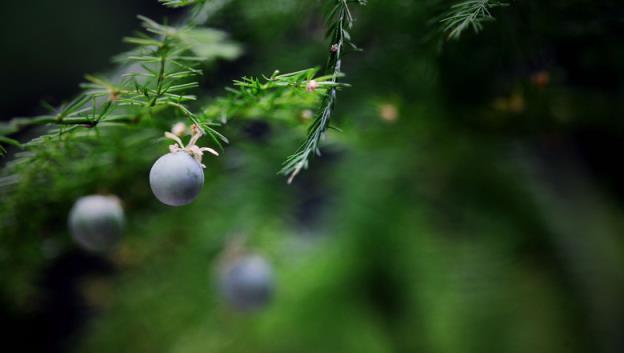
(469, 14)
(158, 74)
(260, 97)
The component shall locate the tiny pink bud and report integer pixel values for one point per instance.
(312, 86)
(179, 129)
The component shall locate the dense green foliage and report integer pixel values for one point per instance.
(450, 213)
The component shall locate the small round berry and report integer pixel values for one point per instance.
(247, 283)
(96, 222)
(176, 178)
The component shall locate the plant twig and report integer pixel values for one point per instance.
(340, 21)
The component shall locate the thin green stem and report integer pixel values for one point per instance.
(161, 75)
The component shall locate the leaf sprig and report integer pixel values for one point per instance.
(181, 3)
(340, 21)
(469, 14)
(260, 96)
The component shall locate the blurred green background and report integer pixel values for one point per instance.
(472, 203)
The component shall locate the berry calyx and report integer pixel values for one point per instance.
(195, 151)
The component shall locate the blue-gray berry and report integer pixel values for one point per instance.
(248, 283)
(96, 222)
(176, 178)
